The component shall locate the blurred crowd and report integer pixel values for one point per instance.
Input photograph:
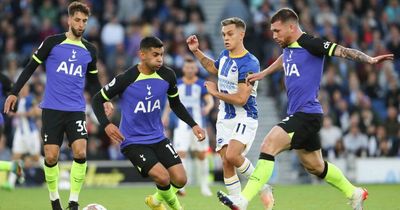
(361, 102)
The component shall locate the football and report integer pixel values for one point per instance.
(94, 206)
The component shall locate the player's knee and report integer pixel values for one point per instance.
(225, 162)
(51, 159)
(180, 180)
(81, 154)
(162, 179)
(232, 158)
(266, 147)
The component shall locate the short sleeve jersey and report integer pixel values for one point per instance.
(303, 63)
(233, 70)
(141, 99)
(191, 96)
(66, 64)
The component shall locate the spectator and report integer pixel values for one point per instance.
(392, 125)
(48, 11)
(112, 34)
(129, 10)
(329, 135)
(355, 142)
(393, 45)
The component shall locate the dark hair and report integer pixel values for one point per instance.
(239, 23)
(150, 42)
(78, 7)
(284, 15)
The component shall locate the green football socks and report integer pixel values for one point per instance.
(5, 165)
(51, 173)
(77, 177)
(168, 194)
(335, 177)
(262, 173)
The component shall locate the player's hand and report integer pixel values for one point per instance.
(10, 103)
(211, 87)
(108, 108)
(193, 43)
(381, 58)
(114, 133)
(255, 77)
(199, 133)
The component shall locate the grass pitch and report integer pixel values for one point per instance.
(287, 197)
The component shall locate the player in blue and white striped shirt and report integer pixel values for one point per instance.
(238, 116)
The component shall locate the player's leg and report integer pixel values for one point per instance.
(144, 159)
(243, 135)
(165, 190)
(27, 143)
(182, 140)
(231, 179)
(6, 165)
(19, 147)
(77, 137)
(201, 163)
(314, 164)
(224, 133)
(203, 172)
(12, 177)
(275, 142)
(168, 157)
(52, 135)
(78, 170)
(51, 172)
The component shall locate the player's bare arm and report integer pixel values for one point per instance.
(359, 56)
(206, 62)
(165, 115)
(274, 67)
(209, 104)
(239, 98)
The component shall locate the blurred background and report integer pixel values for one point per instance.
(361, 102)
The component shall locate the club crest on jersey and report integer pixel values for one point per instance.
(73, 57)
(290, 56)
(148, 87)
(234, 68)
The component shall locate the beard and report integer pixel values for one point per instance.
(76, 32)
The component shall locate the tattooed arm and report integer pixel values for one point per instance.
(358, 56)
